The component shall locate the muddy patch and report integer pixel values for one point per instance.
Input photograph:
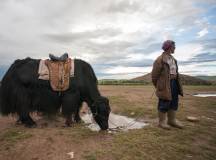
(116, 122)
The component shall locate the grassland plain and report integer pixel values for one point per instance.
(52, 141)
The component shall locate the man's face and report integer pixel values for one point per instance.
(172, 49)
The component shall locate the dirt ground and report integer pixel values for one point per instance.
(52, 140)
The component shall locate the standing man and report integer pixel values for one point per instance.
(165, 78)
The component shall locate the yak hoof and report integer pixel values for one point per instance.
(18, 122)
(31, 125)
(78, 120)
(68, 125)
(68, 122)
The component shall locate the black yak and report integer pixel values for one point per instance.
(22, 92)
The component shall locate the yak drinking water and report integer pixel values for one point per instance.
(21, 92)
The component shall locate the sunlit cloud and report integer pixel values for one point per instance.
(202, 33)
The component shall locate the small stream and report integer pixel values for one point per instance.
(205, 95)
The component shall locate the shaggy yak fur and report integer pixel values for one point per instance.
(21, 92)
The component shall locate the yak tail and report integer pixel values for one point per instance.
(13, 96)
(14, 99)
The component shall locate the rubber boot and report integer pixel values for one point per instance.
(162, 121)
(172, 121)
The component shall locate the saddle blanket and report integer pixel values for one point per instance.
(43, 70)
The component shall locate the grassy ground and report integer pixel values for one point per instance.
(53, 142)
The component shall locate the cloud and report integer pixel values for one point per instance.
(205, 68)
(111, 33)
(70, 37)
(146, 48)
(121, 75)
(123, 6)
(205, 57)
(200, 58)
(123, 72)
(202, 33)
(209, 44)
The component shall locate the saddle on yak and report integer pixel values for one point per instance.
(59, 72)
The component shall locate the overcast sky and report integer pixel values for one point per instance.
(119, 38)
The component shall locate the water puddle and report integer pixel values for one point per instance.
(205, 95)
(116, 122)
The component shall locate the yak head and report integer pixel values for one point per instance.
(101, 111)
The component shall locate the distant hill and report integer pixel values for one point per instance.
(120, 82)
(146, 78)
(186, 80)
(207, 78)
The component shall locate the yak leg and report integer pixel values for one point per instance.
(24, 104)
(26, 119)
(68, 120)
(69, 107)
(77, 116)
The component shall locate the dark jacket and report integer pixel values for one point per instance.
(161, 77)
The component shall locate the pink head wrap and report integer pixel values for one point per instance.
(168, 44)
